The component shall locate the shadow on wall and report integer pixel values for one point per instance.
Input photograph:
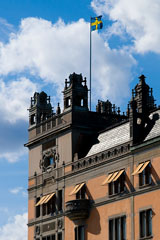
(84, 144)
(93, 223)
(155, 177)
(129, 185)
(88, 194)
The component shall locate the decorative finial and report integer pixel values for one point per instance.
(58, 111)
(65, 83)
(142, 78)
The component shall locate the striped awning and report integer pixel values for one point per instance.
(77, 188)
(45, 199)
(140, 168)
(112, 177)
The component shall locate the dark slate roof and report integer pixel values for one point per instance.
(121, 134)
(155, 131)
(111, 138)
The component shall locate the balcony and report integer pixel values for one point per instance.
(78, 209)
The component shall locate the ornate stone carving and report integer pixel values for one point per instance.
(60, 223)
(114, 152)
(49, 160)
(37, 230)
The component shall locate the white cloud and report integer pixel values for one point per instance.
(53, 51)
(15, 229)
(14, 99)
(5, 29)
(48, 53)
(16, 190)
(140, 19)
(13, 156)
(14, 102)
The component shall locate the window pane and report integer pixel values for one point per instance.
(76, 233)
(111, 188)
(59, 200)
(59, 236)
(149, 222)
(111, 229)
(81, 233)
(37, 208)
(122, 182)
(53, 237)
(117, 229)
(116, 187)
(123, 228)
(142, 224)
(148, 174)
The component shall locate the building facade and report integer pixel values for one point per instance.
(94, 175)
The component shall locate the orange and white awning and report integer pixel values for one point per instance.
(140, 168)
(112, 177)
(77, 188)
(45, 199)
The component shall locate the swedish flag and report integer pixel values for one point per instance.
(96, 23)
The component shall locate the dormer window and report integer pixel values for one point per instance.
(33, 119)
(144, 171)
(82, 102)
(80, 191)
(68, 102)
(116, 182)
(48, 204)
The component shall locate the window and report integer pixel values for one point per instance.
(79, 233)
(60, 236)
(117, 185)
(146, 223)
(144, 171)
(37, 208)
(60, 200)
(79, 190)
(68, 102)
(145, 176)
(48, 204)
(117, 228)
(82, 102)
(33, 119)
(81, 194)
(49, 161)
(49, 207)
(52, 237)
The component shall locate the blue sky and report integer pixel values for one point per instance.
(41, 43)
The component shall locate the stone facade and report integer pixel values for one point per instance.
(93, 175)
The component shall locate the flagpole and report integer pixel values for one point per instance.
(90, 61)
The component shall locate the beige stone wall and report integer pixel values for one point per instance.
(34, 158)
(65, 147)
